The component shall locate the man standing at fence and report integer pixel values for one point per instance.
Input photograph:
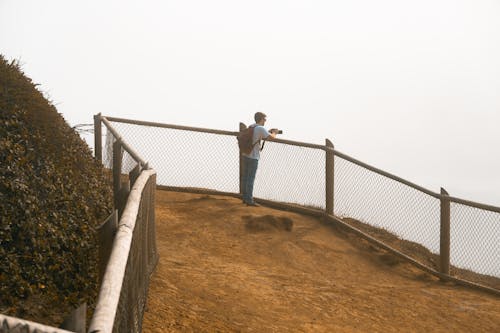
(251, 160)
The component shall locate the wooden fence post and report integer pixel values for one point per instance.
(444, 251)
(98, 137)
(106, 234)
(117, 171)
(329, 179)
(76, 321)
(123, 196)
(134, 174)
(242, 127)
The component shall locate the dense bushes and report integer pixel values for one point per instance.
(52, 196)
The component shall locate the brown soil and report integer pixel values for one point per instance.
(225, 267)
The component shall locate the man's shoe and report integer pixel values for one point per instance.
(253, 204)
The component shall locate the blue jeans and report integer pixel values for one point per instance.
(248, 178)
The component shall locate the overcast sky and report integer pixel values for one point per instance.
(411, 87)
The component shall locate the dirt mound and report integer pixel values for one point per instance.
(268, 223)
(52, 196)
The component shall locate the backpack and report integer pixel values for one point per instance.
(245, 140)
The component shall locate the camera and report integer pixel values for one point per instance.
(276, 131)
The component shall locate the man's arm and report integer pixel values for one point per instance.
(264, 134)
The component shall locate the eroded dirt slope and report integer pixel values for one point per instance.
(225, 267)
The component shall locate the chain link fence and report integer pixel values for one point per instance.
(291, 174)
(414, 215)
(402, 215)
(384, 203)
(475, 240)
(140, 264)
(123, 295)
(186, 158)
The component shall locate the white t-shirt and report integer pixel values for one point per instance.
(259, 133)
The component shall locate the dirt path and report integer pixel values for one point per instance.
(225, 267)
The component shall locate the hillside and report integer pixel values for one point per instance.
(226, 267)
(52, 196)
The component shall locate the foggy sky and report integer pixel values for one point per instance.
(410, 87)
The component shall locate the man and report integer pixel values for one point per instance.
(251, 160)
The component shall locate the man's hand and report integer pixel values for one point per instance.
(274, 131)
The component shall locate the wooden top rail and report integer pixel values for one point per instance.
(387, 174)
(12, 324)
(475, 204)
(306, 145)
(129, 149)
(177, 127)
(207, 130)
(300, 144)
(417, 187)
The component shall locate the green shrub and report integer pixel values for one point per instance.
(53, 194)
